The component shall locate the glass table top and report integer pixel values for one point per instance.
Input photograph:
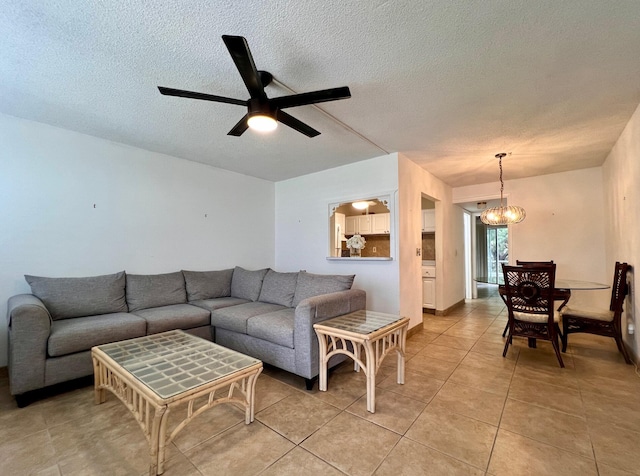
(561, 283)
(361, 322)
(174, 362)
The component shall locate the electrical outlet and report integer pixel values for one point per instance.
(374, 249)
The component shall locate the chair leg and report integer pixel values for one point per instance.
(556, 348)
(506, 345)
(506, 328)
(564, 336)
(622, 349)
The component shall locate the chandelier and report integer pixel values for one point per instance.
(501, 215)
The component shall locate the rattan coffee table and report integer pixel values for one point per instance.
(154, 374)
(376, 333)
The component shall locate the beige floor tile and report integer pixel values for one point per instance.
(542, 356)
(567, 432)
(437, 327)
(430, 367)
(623, 413)
(409, 458)
(514, 454)
(423, 336)
(351, 444)
(242, 449)
(297, 416)
(468, 401)
(454, 342)
(461, 437)
(179, 465)
(206, 425)
(413, 347)
(489, 361)
(125, 455)
(343, 388)
(299, 461)
(270, 390)
(490, 380)
(610, 387)
(440, 352)
(606, 470)
(27, 455)
(18, 423)
(555, 397)
(416, 386)
(50, 471)
(591, 366)
(496, 349)
(74, 405)
(615, 446)
(547, 374)
(393, 411)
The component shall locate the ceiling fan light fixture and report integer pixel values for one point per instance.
(509, 215)
(262, 123)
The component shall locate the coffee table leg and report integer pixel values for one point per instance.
(99, 393)
(403, 339)
(251, 397)
(322, 377)
(370, 372)
(156, 466)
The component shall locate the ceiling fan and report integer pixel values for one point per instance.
(263, 113)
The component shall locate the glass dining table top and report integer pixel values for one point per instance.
(561, 283)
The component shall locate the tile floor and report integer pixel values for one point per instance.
(463, 410)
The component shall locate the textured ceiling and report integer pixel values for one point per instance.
(447, 83)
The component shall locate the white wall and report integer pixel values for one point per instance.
(413, 182)
(621, 176)
(302, 226)
(565, 222)
(149, 214)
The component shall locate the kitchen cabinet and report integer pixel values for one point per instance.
(380, 223)
(428, 220)
(429, 287)
(359, 224)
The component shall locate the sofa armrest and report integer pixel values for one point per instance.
(317, 309)
(29, 324)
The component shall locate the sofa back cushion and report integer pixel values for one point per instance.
(76, 297)
(208, 284)
(278, 288)
(155, 290)
(309, 285)
(247, 284)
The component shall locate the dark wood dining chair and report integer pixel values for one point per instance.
(529, 296)
(603, 322)
(562, 296)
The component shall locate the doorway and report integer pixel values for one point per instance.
(497, 252)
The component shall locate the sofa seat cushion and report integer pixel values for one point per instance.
(235, 318)
(218, 303)
(276, 327)
(81, 333)
(175, 316)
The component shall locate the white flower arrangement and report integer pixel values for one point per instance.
(356, 242)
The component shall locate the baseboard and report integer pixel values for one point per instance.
(449, 309)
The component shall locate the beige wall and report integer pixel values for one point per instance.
(621, 176)
(413, 181)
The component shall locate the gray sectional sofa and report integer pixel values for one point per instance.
(263, 313)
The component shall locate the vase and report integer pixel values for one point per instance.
(355, 252)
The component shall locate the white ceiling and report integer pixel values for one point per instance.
(447, 83)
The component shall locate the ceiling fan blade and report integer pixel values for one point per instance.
(240, 127)
(241, 55)
(294, 123)
(207, 97)
(313, 97)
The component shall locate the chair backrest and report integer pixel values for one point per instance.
(619, 289)
(534, 263)
(529, 289)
